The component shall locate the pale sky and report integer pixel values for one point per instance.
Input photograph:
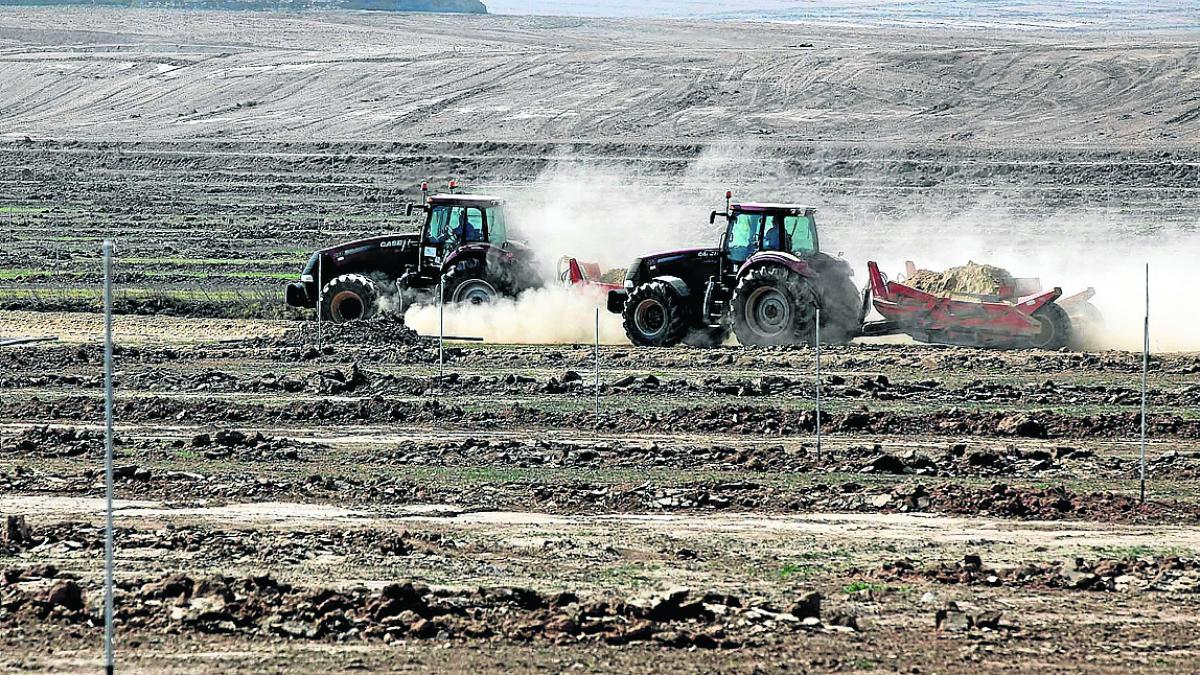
(1016, 14)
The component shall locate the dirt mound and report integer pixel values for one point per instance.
(1155, 573)
(972, 278)
(231, 443)
(614, 276)
(387, 330)
(263, 606)
(46, 441)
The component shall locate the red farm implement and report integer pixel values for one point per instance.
(1023, 316)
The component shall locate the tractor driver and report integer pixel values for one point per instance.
(472, 225)
(773, 237)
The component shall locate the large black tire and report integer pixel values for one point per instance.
(655, 315)
(1055, 331)
(349, 297)
(773, 305)
(470, 283)
(842, 309)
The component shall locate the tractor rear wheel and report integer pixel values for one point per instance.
(774, 306)
(469, 283)
(349, 297)
(842, 309)
(1054, 327)
(655, 315)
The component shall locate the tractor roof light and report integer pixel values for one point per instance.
(453, 185)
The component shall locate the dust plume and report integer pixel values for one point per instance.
(603, 213)
(606, 214)
(551, 315)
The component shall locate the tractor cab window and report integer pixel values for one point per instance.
(455, 224)
(800, 234)
(773, 233)
(497, 228)
(742, 239)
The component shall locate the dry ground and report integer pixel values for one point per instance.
(219, 149)
(718, 489)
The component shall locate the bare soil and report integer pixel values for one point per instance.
(294, 504)
(334, 511)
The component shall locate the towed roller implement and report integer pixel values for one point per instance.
(1036, 320)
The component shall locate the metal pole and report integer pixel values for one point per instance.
(1145, 369)
(108, 460)
(441, 329)
(596, 357)
(817, 341)
(320, 296)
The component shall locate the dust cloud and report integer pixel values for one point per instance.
(552, 315)
(604, 214)
(610, 213)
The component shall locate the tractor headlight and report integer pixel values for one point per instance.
(306, 278)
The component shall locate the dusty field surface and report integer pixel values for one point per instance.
(285, 505)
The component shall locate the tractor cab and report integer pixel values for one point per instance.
(754, 227)
(453, 221)
(464, 247)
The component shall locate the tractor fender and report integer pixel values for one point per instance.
(765, 258)
(480, 250)
(676, 283)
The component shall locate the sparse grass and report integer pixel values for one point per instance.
(793, 571)
(856, 586)
(251, 303)
(207, 262)
(875, 588)
(19, 272)
(1123, 552)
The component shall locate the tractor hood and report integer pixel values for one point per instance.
(690, 264)
(352, 248)
(667, 257)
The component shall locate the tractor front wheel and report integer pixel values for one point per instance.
(774, 306)
(349, 297)
(655, 315)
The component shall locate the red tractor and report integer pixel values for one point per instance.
(766, 280)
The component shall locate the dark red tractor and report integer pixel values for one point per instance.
(766, 281)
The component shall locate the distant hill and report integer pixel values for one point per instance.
(449, 6)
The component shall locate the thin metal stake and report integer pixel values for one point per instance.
(320, 296)
(441, 329)
(108, 460)
(817, 342)
(596, 356)
(1145, 368)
